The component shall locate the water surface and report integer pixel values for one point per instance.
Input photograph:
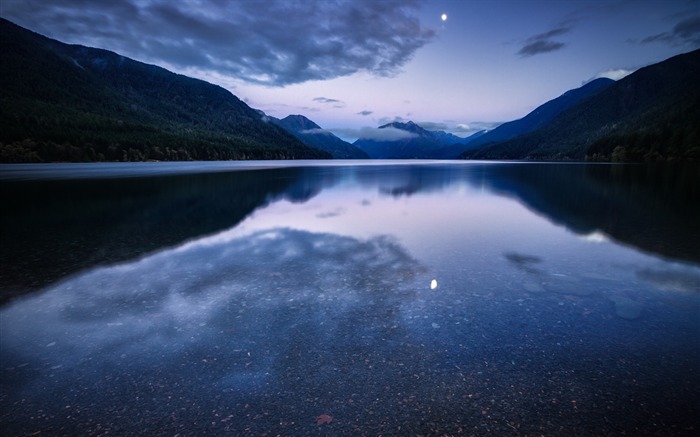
(426, 298)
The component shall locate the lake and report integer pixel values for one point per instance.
(350, 298)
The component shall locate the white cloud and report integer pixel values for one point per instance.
(316, 132)
(614, 74)
(596, 237)
(460, 129)
(433, 126)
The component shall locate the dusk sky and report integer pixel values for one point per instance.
(351, 66)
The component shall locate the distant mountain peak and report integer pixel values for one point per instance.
(408, 126)
(409, 140)
(399, 125)
(300, 122)
(315, 136)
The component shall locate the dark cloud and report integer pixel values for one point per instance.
(685, 32)
(335, 102)
(659, 37)
(365, 113)
(543, 43)
(276, 42)
(688, 29)
(538, 47)
(326, 100)
(330, 214)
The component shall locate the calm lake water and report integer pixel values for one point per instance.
(350, 298)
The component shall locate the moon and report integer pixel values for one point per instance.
(443, 17)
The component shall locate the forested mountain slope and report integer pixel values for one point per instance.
(652, 114)
(543, 114)
(61, 102)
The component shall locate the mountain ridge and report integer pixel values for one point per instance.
(61, 102)
(650, 115)
(428, 146)
(542, 114)
(311, 134)
(417, 143)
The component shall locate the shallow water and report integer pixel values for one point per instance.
(350, 299)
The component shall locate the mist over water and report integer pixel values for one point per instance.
(428, 298)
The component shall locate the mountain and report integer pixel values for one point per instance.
(409, 141)
(543, 114)
(61, 102)
(442, 145)
(475, 136)
(446, 137)
(312, 135)
(400, 141)
(650, 115)
(455, 149)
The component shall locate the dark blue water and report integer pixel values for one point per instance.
(350, 299)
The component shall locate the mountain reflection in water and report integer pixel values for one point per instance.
(253, 301)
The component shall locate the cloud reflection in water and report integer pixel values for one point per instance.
(238, 311)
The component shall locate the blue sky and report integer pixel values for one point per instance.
(356, 64)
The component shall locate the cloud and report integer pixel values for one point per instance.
(387, 120)
(372, 133)
(316, 132)
(459, 129)
(330, 214)
(365, 113)
(393, 134)
(433, 126)
(179, 302)
(326, 100)
(276, 43)
(685, 33)
(467, 129)
(335, 102)
(614, 74)
(540, 46)
(543, 43)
